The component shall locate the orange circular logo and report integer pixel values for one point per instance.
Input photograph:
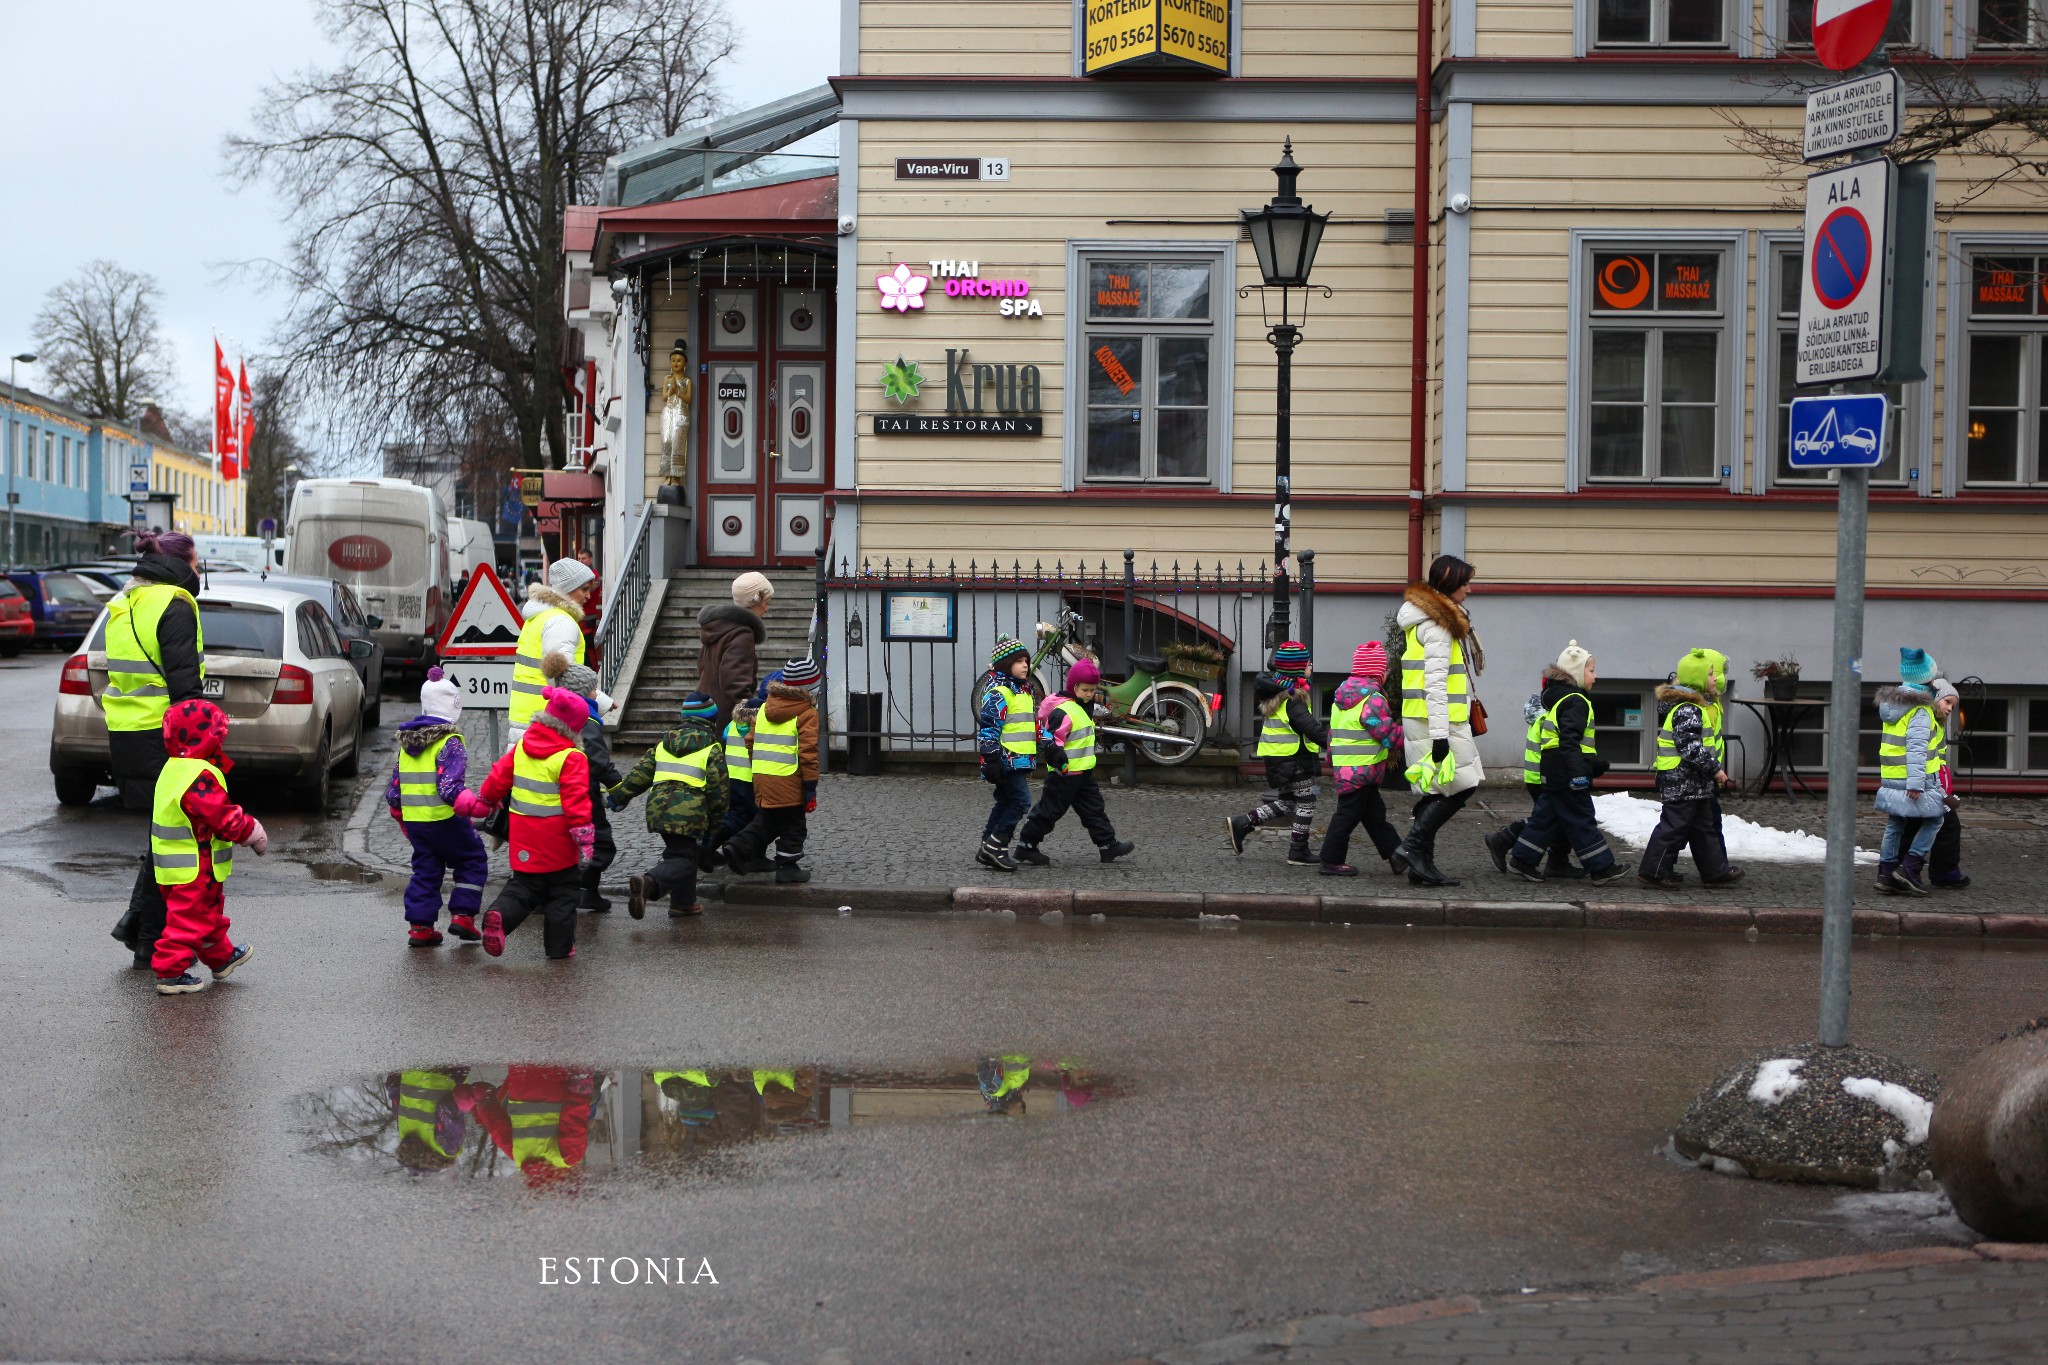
(1624, 282)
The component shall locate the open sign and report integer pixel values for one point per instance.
(359, 553)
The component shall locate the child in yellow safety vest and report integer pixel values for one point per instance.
(1362, 727)
(545, 783)
(431, 772)
(1291, 741)
(785, 758)
(685, 776)
(193, 828)
(1912, 751)
(1691, 774)
(1066, 724)
(1006, 735)
(1569, 763)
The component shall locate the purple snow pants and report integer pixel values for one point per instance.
(445, 846)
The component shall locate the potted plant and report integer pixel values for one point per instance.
(1780, 677)
(1195, 659)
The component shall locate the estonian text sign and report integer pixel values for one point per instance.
(1853, 116)
(1841, 297)
(1188, 33)
(952, 168)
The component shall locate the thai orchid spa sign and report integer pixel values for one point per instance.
(904, 290)
(1156, 33)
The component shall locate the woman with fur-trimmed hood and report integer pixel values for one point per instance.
(1433, 612)
(730, 635)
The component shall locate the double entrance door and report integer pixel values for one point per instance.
(765, 459)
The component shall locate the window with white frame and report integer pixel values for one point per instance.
(1783, 348)
(2010, 24)
(1904, 29)
(2006, 419)
(1658, 346)
(49, 453)
(1660, 23)
(1151, 359)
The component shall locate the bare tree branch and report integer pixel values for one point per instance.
(101, 343)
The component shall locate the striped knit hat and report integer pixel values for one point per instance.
(1006, 648)
(1292, 659)
(802, 673)
(1369, 660)
(698, 706)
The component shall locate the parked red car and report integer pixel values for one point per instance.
(17, 624)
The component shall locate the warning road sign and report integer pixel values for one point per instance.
(1847, 31)
(1841, 299)
(485, 623)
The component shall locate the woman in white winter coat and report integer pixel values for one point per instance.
(1436, 691)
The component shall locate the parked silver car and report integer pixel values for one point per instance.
(274, 663)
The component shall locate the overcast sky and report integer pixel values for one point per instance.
(111, 119)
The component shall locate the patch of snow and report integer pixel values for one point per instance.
(1632, 818)
(1901, 1103)
(1776, 1079)
(1729, 1166)
(1217, 918)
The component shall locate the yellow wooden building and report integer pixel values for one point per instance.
(207, 504)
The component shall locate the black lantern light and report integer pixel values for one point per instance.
(1286, 232)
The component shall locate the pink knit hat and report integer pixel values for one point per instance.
(1369, 660)
(566, 707)
(1083, 671)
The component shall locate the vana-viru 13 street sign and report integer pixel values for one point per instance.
(1853, 116)
(1842, 284)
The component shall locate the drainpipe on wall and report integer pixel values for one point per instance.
(1418, 382)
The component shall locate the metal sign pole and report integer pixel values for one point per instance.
(1845, 709)
(497, 734)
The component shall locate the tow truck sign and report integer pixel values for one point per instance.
(1842, 287)
(1838, 431)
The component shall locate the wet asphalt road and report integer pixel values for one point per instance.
(1303, 1120)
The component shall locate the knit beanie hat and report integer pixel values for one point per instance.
(1006, 647)
(580, 680)
(1572, 662)
(567, 575)
(440, 697)
(1292, 659)
(749, 586)
(1703, 670)
(802, 673)
(566, 707)
(1944, 688)
(698, 706)
(1083, 671)
(1369, 660)
(1917, 666)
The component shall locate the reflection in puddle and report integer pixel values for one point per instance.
(548, 1123)
(343, 872)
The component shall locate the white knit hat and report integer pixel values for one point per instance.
(1572, 662)
(567, 575)
(751, 585)
(440, 697)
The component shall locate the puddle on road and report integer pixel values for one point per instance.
(550, 1123)
(343, 872)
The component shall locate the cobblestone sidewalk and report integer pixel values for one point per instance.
(1917, 1305)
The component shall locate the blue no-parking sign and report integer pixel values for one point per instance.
(1838, 431)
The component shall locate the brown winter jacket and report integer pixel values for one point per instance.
(728, 667)
(784, 702)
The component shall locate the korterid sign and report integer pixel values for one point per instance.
(1193, 34)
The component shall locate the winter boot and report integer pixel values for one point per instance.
(494, 933)
(241, 955)
(424, 936)
(1299, 854)
(995, 856)
(1910, 869)
(464, 928)
(1337, 870)
(1419, 848)
(1562, 869)
(791, 874)
(1497, 845)
(1122, 848)
(1728, 878)
(185, 983)
(636, 897)
(1888, 879)
(594, 902)
(1610, 874)
(685, 911)
(1663, 881)
(1240, 827)
(1528, 872)
(1952, 880)
(1028, 853)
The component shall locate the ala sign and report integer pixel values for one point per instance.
(1841, 295)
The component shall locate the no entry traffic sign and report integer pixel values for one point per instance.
(1847, 31)
(1841, 297)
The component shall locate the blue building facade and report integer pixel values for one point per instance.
(67, 476)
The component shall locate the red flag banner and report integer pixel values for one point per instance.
(245, 432)
(223, 402)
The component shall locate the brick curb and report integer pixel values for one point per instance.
(1405, 911)
(1305, 1331)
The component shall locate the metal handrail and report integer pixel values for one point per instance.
(621, 619)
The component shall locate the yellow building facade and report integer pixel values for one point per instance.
(207, 504)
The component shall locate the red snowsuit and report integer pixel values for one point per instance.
(554, 1106)
(196, 921)
(558, 842)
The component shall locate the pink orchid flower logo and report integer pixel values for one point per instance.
(902, 290)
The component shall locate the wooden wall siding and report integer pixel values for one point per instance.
(1351, 544)
(1525, 28)
(1351, 375)
(1756, 546)
(1328, 38)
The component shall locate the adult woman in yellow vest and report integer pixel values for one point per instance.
(1440, 656)
(554, 625)
(153, 646)
(1910, 758)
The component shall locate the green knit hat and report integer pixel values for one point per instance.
(1705, 671)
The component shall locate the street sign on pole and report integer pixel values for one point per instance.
(1838, 431)
(485, 624)
(485, 684)
(1847, 31)
(1847, 264)
(1853, 116)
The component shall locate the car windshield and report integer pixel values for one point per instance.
(236, 628)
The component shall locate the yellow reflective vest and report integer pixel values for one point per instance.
(420, 1097)
(1080, 745)
(528, 682)
(137, 693)
(1414, 688)
(1710, 735)
(1543, 734)
(692, 769)
(173, 843)
(1350, 745)
(739, 759)
(776, 746)
(1891, 748)
(537, 783)
(419, 785)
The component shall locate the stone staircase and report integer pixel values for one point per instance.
(668, 673)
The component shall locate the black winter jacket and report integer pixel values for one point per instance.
(1693, 778)
(1270, 693)
(1567, 761)
(603, 772)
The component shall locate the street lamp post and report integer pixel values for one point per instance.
(1285, 234)
(13, 439)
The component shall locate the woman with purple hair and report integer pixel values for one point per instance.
(153, 662)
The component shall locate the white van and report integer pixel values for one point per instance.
(246, 551)
(471, 545)
(388, 540)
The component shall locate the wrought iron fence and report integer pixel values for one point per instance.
(629, 589)
(910, 643)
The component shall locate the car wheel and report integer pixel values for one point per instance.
(313, 794)
(350, 766)
(373, 714)
(76, 786)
